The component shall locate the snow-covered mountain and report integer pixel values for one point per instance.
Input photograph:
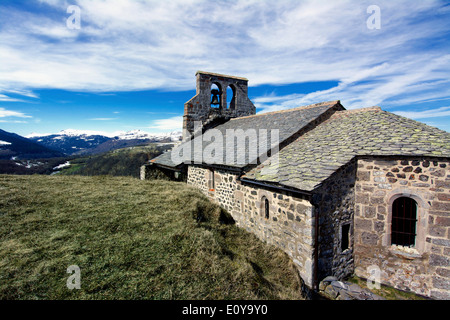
(69, 141)
(17, 147)
(138, 134)
(73, 141)
(127, 135)
(69, 133)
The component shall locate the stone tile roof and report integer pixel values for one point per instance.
(288, 122)
(316, 155)
(165, 159)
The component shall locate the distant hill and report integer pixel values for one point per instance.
(114, 144)
(17, 147)
(68, 144)
(78, 142)
(120, 162)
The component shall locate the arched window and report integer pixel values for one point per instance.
(231, 97)
(404, 219)
(216, 95)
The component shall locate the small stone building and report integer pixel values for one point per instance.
(342, 192)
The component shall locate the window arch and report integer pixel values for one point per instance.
(231, 97)
(216, 95)
(404, 220)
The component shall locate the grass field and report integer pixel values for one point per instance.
(131, 239)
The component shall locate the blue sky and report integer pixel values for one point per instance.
(132, 64)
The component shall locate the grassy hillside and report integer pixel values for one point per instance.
(131, 239)
(121, 162)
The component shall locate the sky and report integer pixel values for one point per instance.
(118, 65)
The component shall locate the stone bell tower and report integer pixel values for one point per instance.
(210, 105)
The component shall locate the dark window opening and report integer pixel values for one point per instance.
(345, 236)
(266, 208)
(404, 219)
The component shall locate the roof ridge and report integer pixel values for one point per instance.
(315, 105)
(220, 75)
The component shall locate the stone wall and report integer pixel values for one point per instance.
(151, 172)
(425, 267)
(290, 222)
(359, 196)
(334, 201)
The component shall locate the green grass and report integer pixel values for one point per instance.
(131, 239)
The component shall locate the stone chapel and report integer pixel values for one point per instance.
(340, 191)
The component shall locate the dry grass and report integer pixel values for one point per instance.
(131, 239)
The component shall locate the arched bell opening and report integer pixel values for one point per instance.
(216, 95)
(231, 97)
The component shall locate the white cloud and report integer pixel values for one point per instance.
(13, 121)
(102, 119)
(6, 98)
(170, 124)
(129, 45)
(432, 113)
(387, 84)
(8, 113)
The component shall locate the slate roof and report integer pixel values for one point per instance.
(314, 156)
(288, 122)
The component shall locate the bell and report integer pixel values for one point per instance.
(215, 98)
